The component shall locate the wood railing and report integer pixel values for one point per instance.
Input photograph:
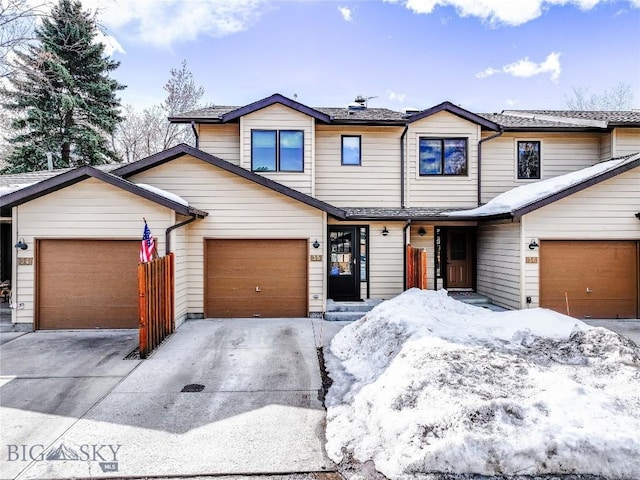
(416, 268)
(156, 288)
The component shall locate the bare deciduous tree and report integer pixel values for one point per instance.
(620, 97)
(144, 133)
(17, 28)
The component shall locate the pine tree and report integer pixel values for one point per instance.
(65, 101)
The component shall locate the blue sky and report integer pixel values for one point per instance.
(485, 55)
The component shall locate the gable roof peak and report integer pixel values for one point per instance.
(448, 106)
(272, 100)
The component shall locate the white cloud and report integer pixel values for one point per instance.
(398, 97)
(346, 13)
(525, 68)
(487, 72)
(166, 22)
(508, 12)
(512, 103)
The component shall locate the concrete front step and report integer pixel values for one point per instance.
(343, 316)
(6, 326)
(363, 306)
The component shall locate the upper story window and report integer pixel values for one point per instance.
(351, 150)
(277, 150)
(443, 156)
(529, 165)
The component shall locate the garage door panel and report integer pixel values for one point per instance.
(87, 284)
(232, 306)
(236, 267)
(66, 318)
(247, 286)
(599, 278)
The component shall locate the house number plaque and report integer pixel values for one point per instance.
(25, 261)
(531, 259)
(316, 258)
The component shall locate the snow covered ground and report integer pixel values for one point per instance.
(424, 383)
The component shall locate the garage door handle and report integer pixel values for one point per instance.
(589, 290)
(258, 289)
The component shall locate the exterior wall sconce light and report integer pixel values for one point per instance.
(385, 232)
(21, 245)
(638, 215)
(422, 232)
(316, 244)
(533, 244)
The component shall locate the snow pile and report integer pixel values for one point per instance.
(163, 193)
(527, 194)
(424, 383)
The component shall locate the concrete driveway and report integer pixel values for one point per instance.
(50, 379)
(258, 409)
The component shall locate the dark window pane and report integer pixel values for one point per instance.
(351, 150)
(292, 150)
(455, 157)
(458, 245)
(263, 150)
(529, 160)
(430, 157)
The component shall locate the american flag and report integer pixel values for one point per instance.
(148, 244)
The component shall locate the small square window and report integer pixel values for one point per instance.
(351, 151)
(529, 164)
(442, 156)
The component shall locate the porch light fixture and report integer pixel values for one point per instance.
(316, 244)
(385, 232)
(638, 215)
(422, 232)
(21, 245)
(533, 244)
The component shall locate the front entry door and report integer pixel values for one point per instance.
(344, 263)
(460, 258)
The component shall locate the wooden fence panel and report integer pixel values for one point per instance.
(156, 289)
(416, 268)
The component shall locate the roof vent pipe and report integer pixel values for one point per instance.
(49, 161)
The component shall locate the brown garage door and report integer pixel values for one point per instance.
(256, 278)
(600, 278)
(87, 284)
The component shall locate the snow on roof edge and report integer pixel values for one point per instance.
(163, 193)
(525, 195)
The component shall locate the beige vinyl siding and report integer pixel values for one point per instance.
(238, 208)
(498, 263)
(426, 242)
(88, 209)
(223, 141)
(179, 245)
(605, 211)
(627, 141)
(560, 153)
(279, 117)
(442, 190)
(386, 258)
(375, 182)
(605, 147)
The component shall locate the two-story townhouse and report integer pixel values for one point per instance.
(282, 206)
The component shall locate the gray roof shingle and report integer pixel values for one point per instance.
(28, 178)
(508, 119)
(336, 113)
